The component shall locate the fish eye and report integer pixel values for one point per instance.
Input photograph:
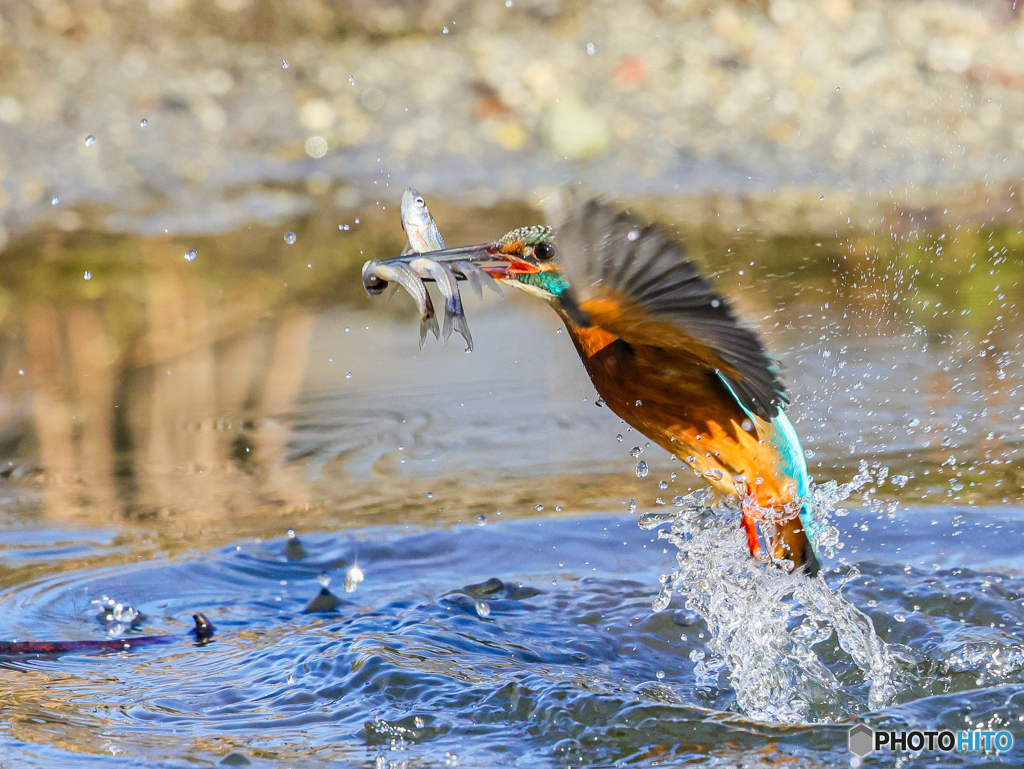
(543, 251)
(420, 202)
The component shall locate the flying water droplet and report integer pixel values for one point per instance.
(481, 519)
(348, 375)
(54, 200)
(632, 506)
(641, 469)
(591, 50)
(899, 480)
(483, 609)
(713, 475)
(539, 508)
(353, 578)
(662, 485)
(90, 140)
(430, 495)
(285, 64)
(444, 30)
(324, 579)
(143, 123)
(88, 275)
(351, 80)
(191, 254)
(289, 238)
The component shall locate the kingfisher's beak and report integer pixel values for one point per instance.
(488, 257)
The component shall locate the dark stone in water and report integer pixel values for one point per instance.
(325, 602)
(294, 550)
(235, 759)
(204, 629)
(490, 587)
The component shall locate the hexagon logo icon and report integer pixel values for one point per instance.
(862, 740)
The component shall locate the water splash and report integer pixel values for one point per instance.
(768, 626)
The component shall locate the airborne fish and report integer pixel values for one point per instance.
(377, 275)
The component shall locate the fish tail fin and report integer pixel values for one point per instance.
(449, 318)
(428, 323)
(462, 326)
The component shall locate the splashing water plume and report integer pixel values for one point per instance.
(767, 626)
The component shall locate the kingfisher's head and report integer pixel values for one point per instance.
(527, 259)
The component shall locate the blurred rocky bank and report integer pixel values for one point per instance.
(191, 116)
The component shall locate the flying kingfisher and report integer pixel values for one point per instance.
(666, 353)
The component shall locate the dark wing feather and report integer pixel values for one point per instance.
(600, 247)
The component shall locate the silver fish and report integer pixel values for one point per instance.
(454, 314)
(420, 227)
(377, 275)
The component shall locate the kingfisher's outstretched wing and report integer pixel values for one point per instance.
(634, 281)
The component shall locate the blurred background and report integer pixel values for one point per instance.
(189, 367)
(188, 189)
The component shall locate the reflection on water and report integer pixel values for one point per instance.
(180, 416)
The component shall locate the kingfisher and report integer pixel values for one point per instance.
(667, 354)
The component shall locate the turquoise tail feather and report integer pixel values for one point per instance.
(792, 462)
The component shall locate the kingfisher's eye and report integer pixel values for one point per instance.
(543, 251)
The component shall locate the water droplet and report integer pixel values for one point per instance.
(420, 723)
(713, 475)
(351, 80)
(357, 221)
(348, 375)
(538, 508)
(632, 506)
(639, 403)
(822, 198)
(509, 3)
(291, 534)
(323, 579)
(591, 50)
(660, 675)
(809, 453)
(899, 480)
(444, 30)
(430, 495)
(641, 469)
(289, 238)
(143, 123)
(54, 200)
(662, 484)
(88, 275)
(483, 609)
(618, 438)
(285, 64)
(632, 235)
(90, 140)
(191, 254)
(899, 617)
(635, 452)
(353, 578)
(558, 508)
(481, 519)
